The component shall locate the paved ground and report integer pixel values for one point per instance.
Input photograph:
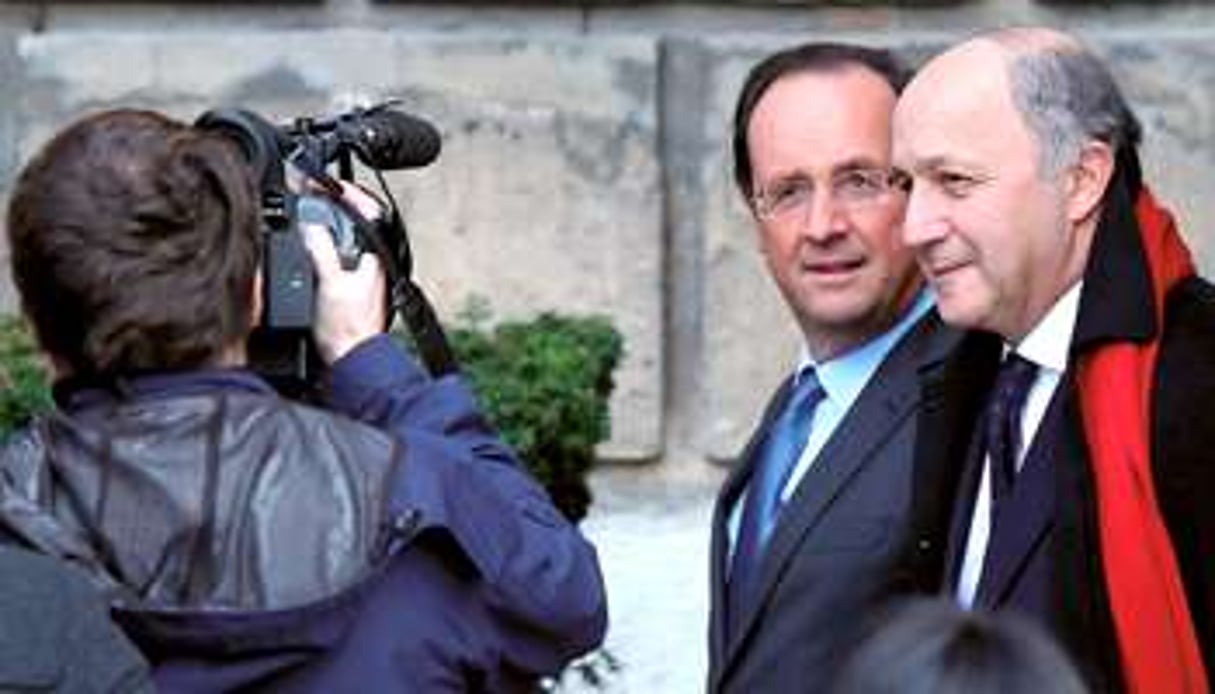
(652, 534)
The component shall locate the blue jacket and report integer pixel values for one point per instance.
(56, 635)
(389, 543)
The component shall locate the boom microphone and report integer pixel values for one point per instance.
(388, 139)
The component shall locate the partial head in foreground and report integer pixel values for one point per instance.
(932, 646)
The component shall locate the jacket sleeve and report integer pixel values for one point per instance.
(541, 577)
(102, 658)
(1183, 467)
(58, 634)
(379, 384)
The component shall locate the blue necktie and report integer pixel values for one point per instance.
(779, 455)
(1002, 428)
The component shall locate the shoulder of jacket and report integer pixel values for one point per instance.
(282, 414)
(1191, 300)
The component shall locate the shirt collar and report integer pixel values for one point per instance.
(1050, 341)
(844, 376)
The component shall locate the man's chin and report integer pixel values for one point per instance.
(959, 313)
(842, 317)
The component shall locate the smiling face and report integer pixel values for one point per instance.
(837, 257)
(996, 236)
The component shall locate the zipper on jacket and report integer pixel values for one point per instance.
(397, 530)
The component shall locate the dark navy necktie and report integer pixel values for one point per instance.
(1002, 425)
(779, 455)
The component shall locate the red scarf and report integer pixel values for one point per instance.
(1156, 638)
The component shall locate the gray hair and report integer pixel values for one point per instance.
(1068, 98)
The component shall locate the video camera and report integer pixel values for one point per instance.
(290, 164)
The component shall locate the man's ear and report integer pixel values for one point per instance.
(1088, 179)
(255, 305)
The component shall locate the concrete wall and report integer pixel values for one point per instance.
(584, 164)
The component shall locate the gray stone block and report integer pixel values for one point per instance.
(1171, 86)
(10, 75)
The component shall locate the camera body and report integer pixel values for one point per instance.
(290, 164)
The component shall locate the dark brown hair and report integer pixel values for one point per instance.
(134, 243)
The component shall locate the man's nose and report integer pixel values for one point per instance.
(922, 220)
(825, 218)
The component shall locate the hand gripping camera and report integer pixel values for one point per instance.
(290, 164)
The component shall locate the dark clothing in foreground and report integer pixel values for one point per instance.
(255, 542)
(56, 635)
(1044, 556)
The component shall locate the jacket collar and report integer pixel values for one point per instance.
(76, 393)
(1116, 303)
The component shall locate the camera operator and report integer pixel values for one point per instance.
(389, 543)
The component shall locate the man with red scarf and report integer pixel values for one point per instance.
(1078, 412)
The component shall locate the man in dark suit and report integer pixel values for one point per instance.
(1087, 479)
(812, 530)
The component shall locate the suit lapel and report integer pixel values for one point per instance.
(871, 420)
(735, 483)
(890, 396)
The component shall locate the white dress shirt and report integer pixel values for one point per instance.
(1047, 346)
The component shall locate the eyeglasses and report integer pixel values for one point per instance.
(852, 189)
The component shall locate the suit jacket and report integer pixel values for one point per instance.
(855, 532)
(1044, 554)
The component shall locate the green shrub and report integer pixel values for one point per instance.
(24, 386)
(545, 383)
